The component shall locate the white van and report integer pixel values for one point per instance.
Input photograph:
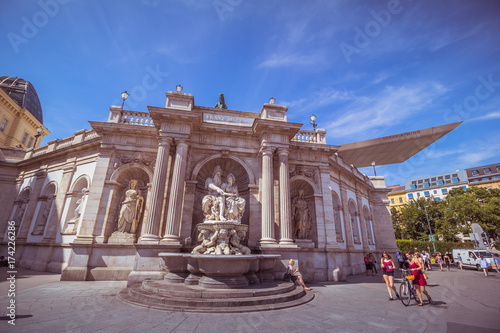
(470, 257)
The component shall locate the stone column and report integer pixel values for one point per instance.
(151, 228)
(285, 209)
(267, 237)
(171, 235)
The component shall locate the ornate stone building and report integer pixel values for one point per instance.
(102, 204)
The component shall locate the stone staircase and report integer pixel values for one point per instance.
(180, 297)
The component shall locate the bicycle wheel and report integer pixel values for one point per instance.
(405, 293)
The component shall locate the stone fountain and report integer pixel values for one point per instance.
(220, 274)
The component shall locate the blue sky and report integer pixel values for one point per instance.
(365, 68)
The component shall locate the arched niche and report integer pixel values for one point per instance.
(302, 184)
(202, 172)
(46, 204)
(353, 213)
(369, 226)
(122, 178)
(20, 205)
(337, 208)
(77, 198)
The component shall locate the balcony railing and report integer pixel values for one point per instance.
(119, 116)
(317, 136)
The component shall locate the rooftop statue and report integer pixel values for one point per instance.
(222, 103)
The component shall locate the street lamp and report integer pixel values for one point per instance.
(431, 236)
(313, 121)
(374, 171)
(38, 134)
(125, 95)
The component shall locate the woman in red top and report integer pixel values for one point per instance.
(419, 282)
(368, 264)
(387, 265)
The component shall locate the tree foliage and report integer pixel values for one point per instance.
(450, 216)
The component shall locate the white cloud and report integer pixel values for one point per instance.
(489, 116)
(286, 59)
(390, 107)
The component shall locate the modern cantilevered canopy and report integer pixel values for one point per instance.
(393, 148)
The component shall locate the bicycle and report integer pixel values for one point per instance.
(406, 289)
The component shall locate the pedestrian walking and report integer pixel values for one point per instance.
(483, 263)
(387, 265)
(368, 265)
(447, 261)
(439, 261)
(373, 262)
(460, 262)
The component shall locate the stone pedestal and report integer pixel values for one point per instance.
(122, 238)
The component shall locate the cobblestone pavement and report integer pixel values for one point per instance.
(464, 301)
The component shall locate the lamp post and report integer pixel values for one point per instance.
(374, 171)
(431, 236)
(125, 95)
(313, 122)
(37, 135)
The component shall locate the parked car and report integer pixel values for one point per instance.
(470, 257)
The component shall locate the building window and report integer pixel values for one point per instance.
(498, 167)
(437, 199)
(426, 193)
(475, 172)
(419, 186)
(464, 187)
(447, 177)
(435, 191)
(410, 195)
(426, 185)
(485, 179)
(495, 177)
(400, 200)
(413, 187)
(433, 179)
(30, 141)
(444, 191)
(487, 170)
(448, 182)
(392, 201)
(433, 184)
(418, 194)
(420, 181)
(455, 180)
(3, 125)
(440, 182)
(25, 136)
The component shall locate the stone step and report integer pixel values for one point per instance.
(259, 299)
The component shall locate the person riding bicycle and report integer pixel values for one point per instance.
(419, 282)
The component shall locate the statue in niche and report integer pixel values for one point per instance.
(235, 205)
(213, 203)
(222, 103)
(20, 211)
(301, 216)
(236, 237)
(40, 226)
(223, 202)
(207, 240)
(72, 225)
(131, 209)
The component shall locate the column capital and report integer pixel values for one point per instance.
(266, 150)
(182, 142)
(164, 140)
(283, 151)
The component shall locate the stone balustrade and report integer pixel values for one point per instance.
(317, 136)
(120, 116)
(78, 137)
